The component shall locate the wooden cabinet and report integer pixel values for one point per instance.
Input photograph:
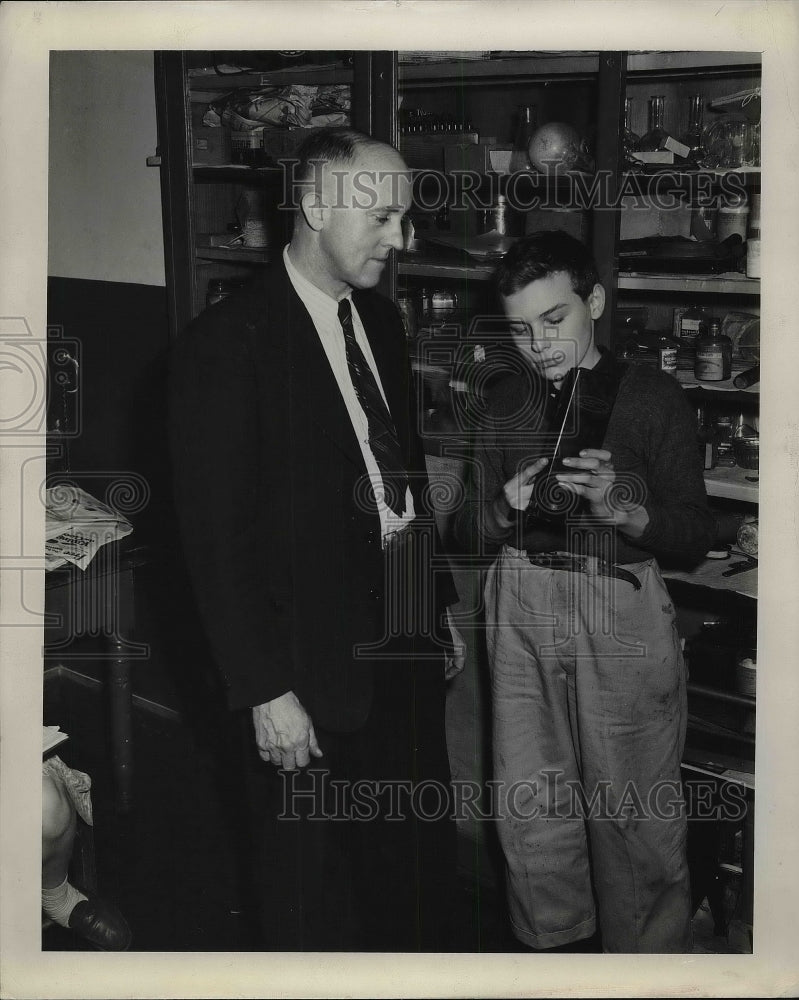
(211, 180)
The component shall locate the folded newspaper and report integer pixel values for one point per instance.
(77, 525)
(52, 737)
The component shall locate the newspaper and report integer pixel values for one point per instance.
(77, 525)
(52, 736)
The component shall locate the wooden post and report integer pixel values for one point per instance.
(609, 161)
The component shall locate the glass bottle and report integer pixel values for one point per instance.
(713, 355)
(667, 355)
(500, 215)
(692, 138)
(692, 324)
(733, 217)
(525, 129)
(724, 430)
(707, 439)
(408, 312)
(630, 139)
(655, 135)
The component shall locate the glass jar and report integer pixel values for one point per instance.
(691, 324)
(713, 355)
(733, 218)
(667, 355)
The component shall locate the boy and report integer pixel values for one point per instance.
(588, 680)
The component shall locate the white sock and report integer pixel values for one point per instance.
(59, 902)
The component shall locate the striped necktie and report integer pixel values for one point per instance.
(382, 434)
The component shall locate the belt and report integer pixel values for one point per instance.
(590, 565)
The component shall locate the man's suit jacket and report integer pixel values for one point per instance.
(282, 545)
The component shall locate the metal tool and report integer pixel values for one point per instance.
(740, 567)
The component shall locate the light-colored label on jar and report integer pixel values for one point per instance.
(689, 329)
(709, 366)
(668, 359)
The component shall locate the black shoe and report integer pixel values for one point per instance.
(101, 924)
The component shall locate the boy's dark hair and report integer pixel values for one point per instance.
(541, 254)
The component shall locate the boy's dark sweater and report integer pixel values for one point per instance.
(652, 439)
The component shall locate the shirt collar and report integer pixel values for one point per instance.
(307, 291)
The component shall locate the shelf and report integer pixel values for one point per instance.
(671, 62)
(709, 574)
(731, 484)
(240, 255)
(428, 266)
(745, 701)
(235, 172)
(532, 65)
(716, 766)
(700, 725)
(673, 177)
(730, 283)
(307, 75)
(724, 391)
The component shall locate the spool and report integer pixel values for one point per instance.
(746, 673)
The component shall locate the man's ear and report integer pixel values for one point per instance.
(596, 301)
(313, 211)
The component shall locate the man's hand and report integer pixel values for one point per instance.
(284, 732)
(456, 660)
(594, 478)
(518, 490)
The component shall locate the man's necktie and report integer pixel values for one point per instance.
(382, 433)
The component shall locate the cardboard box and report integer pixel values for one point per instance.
(471, 156)
(638, 221)
(283, 143)
(210, 147)
(428, 152)
(572, 221)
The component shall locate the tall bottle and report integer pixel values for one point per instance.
(707, 439)
(655, 135)
(525, 128)
(692, 138)
(630, 139)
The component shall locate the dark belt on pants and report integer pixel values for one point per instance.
(590, 565)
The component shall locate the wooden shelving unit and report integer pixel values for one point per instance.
(705, 284)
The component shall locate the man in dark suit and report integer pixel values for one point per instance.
(302, 496)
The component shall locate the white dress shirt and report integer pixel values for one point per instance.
(323, 310)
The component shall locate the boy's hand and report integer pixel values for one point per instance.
(594, 478)
(518, 490)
